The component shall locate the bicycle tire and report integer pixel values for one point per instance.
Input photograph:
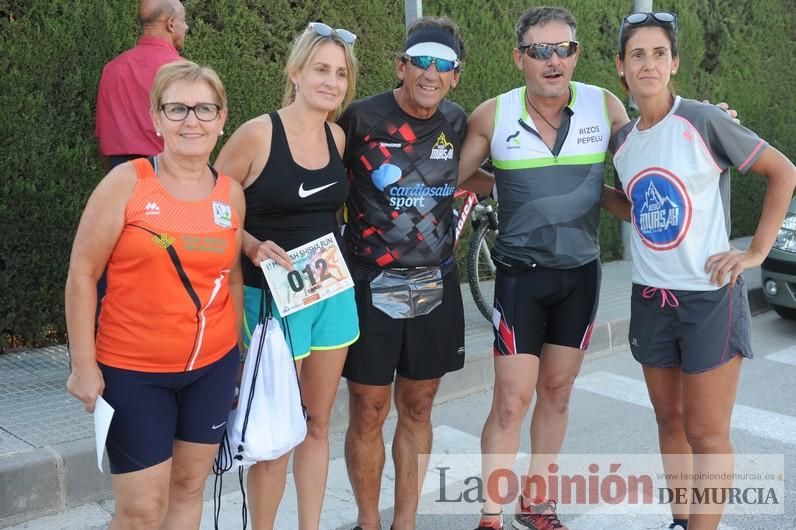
(478, 271)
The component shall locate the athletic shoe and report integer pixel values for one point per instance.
(539, 517)
(494, 524)
(675, 526)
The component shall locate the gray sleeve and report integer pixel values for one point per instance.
(616, 142)
(729, 143)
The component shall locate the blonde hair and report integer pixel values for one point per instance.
(185, 71)
(304, 47)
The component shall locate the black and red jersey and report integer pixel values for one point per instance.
(403, 173)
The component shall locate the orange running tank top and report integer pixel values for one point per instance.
(168, 306)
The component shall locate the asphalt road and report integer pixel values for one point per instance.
(609, 416)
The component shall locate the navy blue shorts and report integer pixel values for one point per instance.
(152, 409)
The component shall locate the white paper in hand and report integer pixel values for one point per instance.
(103, 414)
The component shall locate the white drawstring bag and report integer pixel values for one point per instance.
(269, 420)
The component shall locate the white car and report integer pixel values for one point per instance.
(779, 268)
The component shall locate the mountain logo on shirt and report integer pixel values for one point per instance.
(661, 210)
(442, 149)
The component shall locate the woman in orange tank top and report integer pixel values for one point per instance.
(168, 230)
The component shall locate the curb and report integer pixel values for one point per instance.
(39, 482)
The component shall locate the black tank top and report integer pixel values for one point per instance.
(292, 205)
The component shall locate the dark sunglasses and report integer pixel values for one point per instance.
(325, 30)
(425, 62)
(545, 50)
(635, 19)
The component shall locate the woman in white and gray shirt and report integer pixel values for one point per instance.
(690, 318)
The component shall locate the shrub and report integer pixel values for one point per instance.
(52, 53)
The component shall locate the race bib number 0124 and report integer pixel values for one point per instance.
(319, 272)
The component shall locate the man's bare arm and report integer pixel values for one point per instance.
(476, 148)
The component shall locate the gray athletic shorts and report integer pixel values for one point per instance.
(695, 330)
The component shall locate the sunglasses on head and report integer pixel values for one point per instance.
(635, 19)
(664, 17)
(425, 62)
(545, 50)
(325, 30)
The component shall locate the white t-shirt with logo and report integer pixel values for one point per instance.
(676, 175)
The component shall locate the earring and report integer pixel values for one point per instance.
(221, 132)
(157, 133)
(295, 87)
(622, 74)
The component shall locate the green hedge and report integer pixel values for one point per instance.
(52, 53)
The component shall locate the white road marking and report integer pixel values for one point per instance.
(787, 356)
(759, 422)
(338, 507)
(656, 517)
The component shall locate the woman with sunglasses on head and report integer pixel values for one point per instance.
(690, 320)
(289, 163)
(165, 356)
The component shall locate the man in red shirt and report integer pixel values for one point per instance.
(124, 127)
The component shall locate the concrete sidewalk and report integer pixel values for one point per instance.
(47, 456)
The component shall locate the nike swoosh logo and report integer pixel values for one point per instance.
(312, 191)
(219, 425)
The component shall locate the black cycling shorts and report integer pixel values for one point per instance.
(537, 305)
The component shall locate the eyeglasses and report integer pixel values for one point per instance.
(545, 50)
(425, 62)
(179, 111)
(635, 19)
(325, 30)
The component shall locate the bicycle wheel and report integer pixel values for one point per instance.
(481, 270)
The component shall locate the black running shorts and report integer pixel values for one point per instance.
(423, 347)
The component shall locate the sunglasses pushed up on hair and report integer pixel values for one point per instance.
(545, 50)
(636, 19)
(324, 30)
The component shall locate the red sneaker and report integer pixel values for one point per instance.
(538, 517)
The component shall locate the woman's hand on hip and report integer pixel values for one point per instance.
(731, 263)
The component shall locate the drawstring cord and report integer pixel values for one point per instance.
(667, 296)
